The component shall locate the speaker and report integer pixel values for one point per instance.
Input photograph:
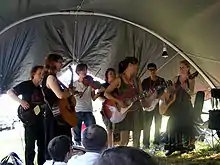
(214, 120)
(215, 93)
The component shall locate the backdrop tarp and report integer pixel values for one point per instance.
(101, 42)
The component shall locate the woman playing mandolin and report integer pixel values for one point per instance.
(127, 86)
(53, 93)
(180, 124)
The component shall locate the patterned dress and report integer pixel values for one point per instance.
(133, 119)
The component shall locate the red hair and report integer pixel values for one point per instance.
(50, 63)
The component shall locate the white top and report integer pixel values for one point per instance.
(50, 162)
(88, 158)
(83, 104)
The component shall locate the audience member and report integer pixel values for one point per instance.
(124, 156)
(95, 142)
(60, 150)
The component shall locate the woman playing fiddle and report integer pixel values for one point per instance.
(126, 86)
(53, 92)
(180, 124)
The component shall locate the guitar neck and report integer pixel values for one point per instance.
(71, 80)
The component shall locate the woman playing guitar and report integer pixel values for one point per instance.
(180, 124)
(53, 92)
(127, 86)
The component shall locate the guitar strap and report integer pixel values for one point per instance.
(45, 100)
(136, 84)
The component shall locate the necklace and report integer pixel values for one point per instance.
(131, 83)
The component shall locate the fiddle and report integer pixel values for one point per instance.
(89, 81)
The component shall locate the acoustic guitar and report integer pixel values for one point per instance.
(169, 97)
(66, 106)
(116, 114)
(149, 103)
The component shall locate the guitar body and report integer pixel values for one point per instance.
(67, 110)
(149, 103)
(27, 116)
(113, 112)
(169, 97)
(164, 104)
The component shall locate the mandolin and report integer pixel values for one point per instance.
(169, 97)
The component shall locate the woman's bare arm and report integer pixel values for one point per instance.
(53, 85)
(12, 94)
(108, 92)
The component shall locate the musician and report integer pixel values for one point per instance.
(180, 124)
(31, 93)
(83, 107)
(127, 86)
(147, 84)
(53, 92)
(110, 75)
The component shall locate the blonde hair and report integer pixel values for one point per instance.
(187, 64)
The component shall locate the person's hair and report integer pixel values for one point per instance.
(107, 71)
(94, 138)
(124, 155)
(124, 64)
(81, 67)
(185, 62)
(50, 63)
(58, 147)
(151, 65)
(34, 70)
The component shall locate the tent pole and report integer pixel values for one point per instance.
(211, 84)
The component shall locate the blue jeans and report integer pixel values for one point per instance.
(87, 118)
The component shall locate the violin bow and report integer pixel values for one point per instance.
(88, 86)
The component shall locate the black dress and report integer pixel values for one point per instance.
(180, 124)
(53, 127)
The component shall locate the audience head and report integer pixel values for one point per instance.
(129, 64)
(95, 138)
(60, 148)
(125, 156)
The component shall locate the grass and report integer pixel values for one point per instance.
(12, 141)
(203, 155)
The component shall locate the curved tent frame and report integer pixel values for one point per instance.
(210, 83)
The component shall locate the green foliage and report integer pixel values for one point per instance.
(204, 154)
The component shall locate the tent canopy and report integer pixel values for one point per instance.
(102, 42)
